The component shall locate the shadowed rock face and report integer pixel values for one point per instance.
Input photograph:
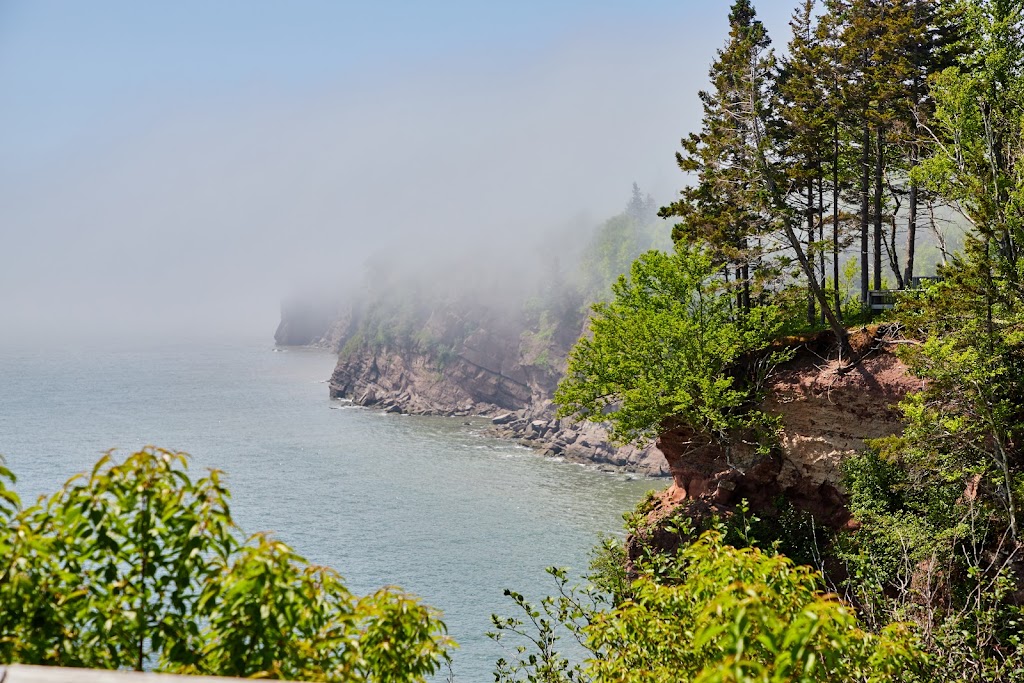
(461, 360)
(502, 368)
(481, 378)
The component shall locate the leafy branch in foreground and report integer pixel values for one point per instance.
(668, 346)
(134, 565)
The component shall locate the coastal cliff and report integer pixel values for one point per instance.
(482, 333)
(457, 357)
(825, 417)
(505, 368)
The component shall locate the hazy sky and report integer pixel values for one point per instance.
(177, 168)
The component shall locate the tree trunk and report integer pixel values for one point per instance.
(746, 288)
(877, 217)
(811, 313)
(865, 179)
(739, 290)
(820, 215)
(835, 220)
(725, 277)
(908, 270)
(778, 200)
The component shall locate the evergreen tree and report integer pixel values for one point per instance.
(723, 209)
(842, 157)
(641, 207)
(884, 51)
(742, 200)
(804, 114)
(929, 50)
(977, 151)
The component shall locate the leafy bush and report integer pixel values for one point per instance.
(134, 565)
(666, 346)
(732, 615)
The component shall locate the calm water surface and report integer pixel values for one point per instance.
(428, 504)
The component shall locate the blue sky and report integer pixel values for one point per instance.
(200, 132)
(66, 68)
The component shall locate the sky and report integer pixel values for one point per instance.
(176, 169)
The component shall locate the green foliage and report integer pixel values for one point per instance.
(968, 423)
(536, 657)
(930, 553)
(731, 615)
(742, 615)
(608, 568)
(863, 96)
(135, 565)
(723, 210)
(976, 158)
(615, 245)
(666, 346)
(788, 530)
(939, 504)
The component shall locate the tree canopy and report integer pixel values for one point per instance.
(666, 346)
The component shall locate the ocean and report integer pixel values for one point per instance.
(428, 504)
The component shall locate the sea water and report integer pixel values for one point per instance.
(429, 504)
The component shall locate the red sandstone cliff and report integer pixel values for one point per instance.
(826, 416)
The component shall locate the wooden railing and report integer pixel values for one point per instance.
(884, 299)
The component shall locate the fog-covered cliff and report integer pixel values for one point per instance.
(470, 333)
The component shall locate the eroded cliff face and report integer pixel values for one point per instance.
(826, 416)
(477, 363)
(482, 375)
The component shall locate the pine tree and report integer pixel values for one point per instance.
(723, 208)
(976, 159)
(842, 159)
(885, 50)
(741, 205)
(804, 113)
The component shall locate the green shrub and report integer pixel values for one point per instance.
(667, 346)
(738, 615)
(134, 565)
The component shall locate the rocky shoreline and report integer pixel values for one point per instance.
(583, 442)
(533, 426)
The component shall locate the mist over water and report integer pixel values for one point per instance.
(182, 177)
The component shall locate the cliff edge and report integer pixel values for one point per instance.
(826, 416)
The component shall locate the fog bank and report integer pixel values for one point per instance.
(197, 217)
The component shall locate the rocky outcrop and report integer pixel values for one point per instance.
(584, 442)
(826, 416)
(419, 383)
(469, 361)
(460, 361)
